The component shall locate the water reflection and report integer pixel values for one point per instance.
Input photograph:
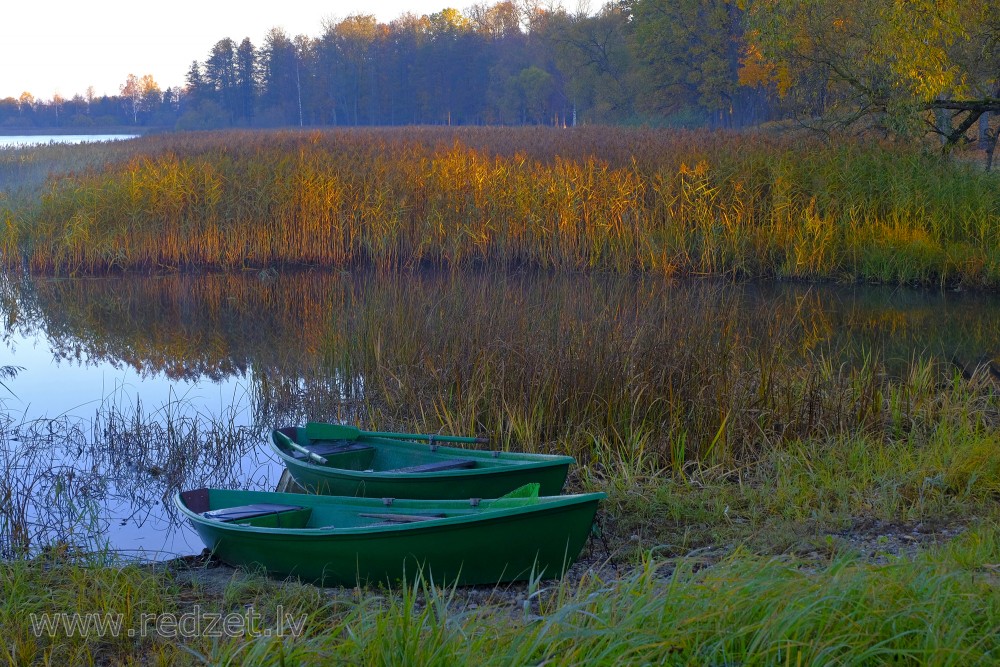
(105, 483)
(133, 386)
(217, 327)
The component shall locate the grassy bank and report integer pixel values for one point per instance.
(675, 203)
(939, 607)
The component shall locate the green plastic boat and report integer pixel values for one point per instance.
(334, 540)
(332, 459)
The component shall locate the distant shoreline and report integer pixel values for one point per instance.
(42, 131)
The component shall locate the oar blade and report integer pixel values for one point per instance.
(321, 431)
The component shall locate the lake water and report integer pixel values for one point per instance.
(119, 390)
(13, 141)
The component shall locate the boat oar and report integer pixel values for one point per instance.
(291, 444)
(321, 431)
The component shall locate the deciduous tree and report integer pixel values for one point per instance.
(131, 97)
(906, 64)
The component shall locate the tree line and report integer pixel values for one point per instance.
(514, 62)
(898, 68)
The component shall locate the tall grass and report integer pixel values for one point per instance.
(53, 584)
(675, 203)
(604, 367)
(615, 371)
(938, 609)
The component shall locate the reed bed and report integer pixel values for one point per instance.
(607, 368)
(665, 202)
(24, 169)
(631, 371)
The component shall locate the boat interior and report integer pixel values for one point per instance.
(214, 506)
(320, 518)
(353, 455)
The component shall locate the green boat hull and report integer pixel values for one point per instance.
(374, 469)
(329, 540)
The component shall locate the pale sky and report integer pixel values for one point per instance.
(63, 46)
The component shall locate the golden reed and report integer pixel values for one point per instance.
(613, 199)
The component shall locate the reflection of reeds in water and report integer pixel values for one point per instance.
(607, 368)
(595, 198)
(59, 477)
(46, 500)
(613, 370)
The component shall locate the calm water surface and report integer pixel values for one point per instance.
(119, 390)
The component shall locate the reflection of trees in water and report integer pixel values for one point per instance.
(900, 326)
(183, 326)
(320, 393)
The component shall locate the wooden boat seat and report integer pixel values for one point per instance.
(437, 466)
(401, 518)
(333, 447)
(241, 512)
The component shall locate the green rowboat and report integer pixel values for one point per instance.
(355, 541)
(322, 460)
